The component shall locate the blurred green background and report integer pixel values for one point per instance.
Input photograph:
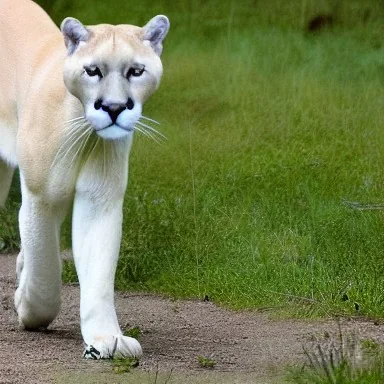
(268, 192)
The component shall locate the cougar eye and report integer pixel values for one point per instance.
(93, 71)
(134, 71)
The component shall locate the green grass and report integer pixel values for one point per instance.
(9, 234)
(270, 130)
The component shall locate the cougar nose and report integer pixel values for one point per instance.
(113, 110)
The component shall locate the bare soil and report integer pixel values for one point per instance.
(248, 347)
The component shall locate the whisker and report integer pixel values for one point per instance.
(103, 159)
(72, 140)
(68, 140)
(151, 120)
(82, 145)
(151, 129)
(75, 119)
(89, 156)
(74, 129)
(138, 129)
(79, 138)
(147, 134)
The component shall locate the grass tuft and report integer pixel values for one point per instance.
(124, 365)
(206, 362)
(134, 332)
(344, 360)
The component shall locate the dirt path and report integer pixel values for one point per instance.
(247, 347)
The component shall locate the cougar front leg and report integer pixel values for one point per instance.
(96, 236)
(37, 298)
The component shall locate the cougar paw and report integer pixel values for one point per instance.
(108, 347)
(34, 313)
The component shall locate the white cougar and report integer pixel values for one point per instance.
(69, 104)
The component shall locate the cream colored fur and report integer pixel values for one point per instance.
(69, 131)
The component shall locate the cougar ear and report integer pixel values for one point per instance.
(155, 31)
(74, 32)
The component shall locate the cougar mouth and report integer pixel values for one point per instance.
(113, 131)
